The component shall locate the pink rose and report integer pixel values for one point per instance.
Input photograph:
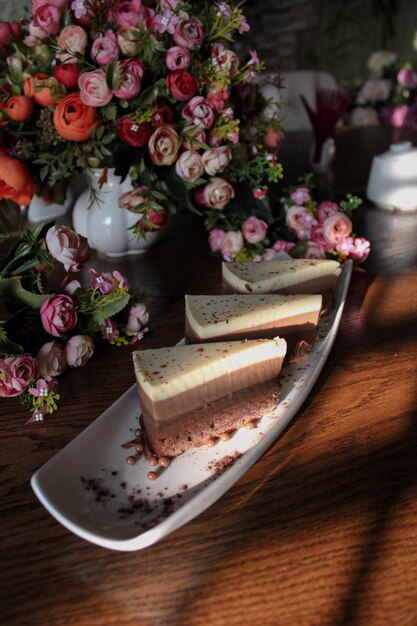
(178, 58)
(126, 13)
(128, 41)
(300, 221)
(189, 34)
(283, 246)
(78, 350)
(138, 316)
(216, 194)
(314, 251)
(58, 315)
(336, 227)
(325, 209)
(407, 78)
(199, 111)
(254, 229)
(72, 39)
(216, 160)
(51, 360)
(163, 145)
(94, 91)
(225, 59)
(232, 243)
(189, 166)
(67, 247)
(132, 72)
(215, 239)
(16, 374)
(193, 137)
(46, 21)
(300, 195)
(317, 236)
(105, 49)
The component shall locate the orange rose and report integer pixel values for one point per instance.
(44, 89)
(15, 181)
(73, 119)
(19, 108)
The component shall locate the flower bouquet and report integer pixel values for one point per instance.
(48, 330)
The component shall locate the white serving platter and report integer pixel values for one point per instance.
(91, 490)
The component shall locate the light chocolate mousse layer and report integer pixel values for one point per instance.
(293, 276)
(252, 316)
(194, 392)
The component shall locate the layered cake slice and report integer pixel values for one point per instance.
(253, 316)
(193, 393)
(281, 276)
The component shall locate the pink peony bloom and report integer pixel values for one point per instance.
(132, 72)
(58, 315)
(178, 58)
(94, 90)
(189, 34)
(314, 251)
(300, 195)
(163, 145)
(300, 221)
(216, 160)
(216, 194)
(325, 209)
(283, 246)
(199, 111)
(254, 229)
(67, 247)
(215, 239)
(105, 49)
(78, 350)
(336, 227)
(16, 374)
(189, 166)
(51, 360)
(232, 243)
(72, 39)
(138, 317)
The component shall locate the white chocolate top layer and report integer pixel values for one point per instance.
(166, 372)
(235, 312)
(270, 276)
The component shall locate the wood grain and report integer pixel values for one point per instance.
(320, 532)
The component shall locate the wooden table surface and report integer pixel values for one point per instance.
(321, 531)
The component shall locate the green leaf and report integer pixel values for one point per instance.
(107, 311)
(11, 289)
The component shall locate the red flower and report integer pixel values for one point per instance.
(158, 218)
(182, 85)
(67, 74)
(132, 133)
(162, 115)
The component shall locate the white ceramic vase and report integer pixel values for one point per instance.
(104, 222)
(41, 211)
(327, 154)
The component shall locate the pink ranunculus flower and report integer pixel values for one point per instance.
(67, 247)
(360, 250)
(58, 315)
(46, 21)
(189, 166)
(300, 195)
(407, 78)
(163, 145)
(317, 236)
(72, 39)
(216, 194)
(216, 160)
(254, 229)
(268, 254)
(70, 285)
(178, 58)
(16, 374)
(132, 72)
(232, 243)
(78, 350)
(336, 227)
(215, 239)
(300, 221)
(325, 209)
(314, 251)
(126, 13)
(128, 41)
(189, 34)
(51, 361)
(105, 49)
(137, 318)
(194, 136)
(283, 246)
(37, 4)
(199, 111)
(94, 91)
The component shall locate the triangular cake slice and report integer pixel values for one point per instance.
(253, 316)
(191, 394)
(281, 276)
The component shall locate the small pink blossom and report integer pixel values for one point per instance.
(254, 229)
(67, 247)
(137, 319)
(360, 250)
(178, 58)
(243, 26)
(232, 243)
(259, 193)
(70, 285)
(110, 330)
(107, 282)
(42, 389)
(105, 49)
(199, 111)
(216, 160)
(121, 280)
(38, 415)
(58, 315)
(336, 227)
(189, 166)
(51, 361)
(78, 350)
(16, 374)
(73, 39)
(325, 209)
(300, 221)
(165, 22)
(215, 239)
(79, 8)
(94, 90)
(300, 195)
(283, 246)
